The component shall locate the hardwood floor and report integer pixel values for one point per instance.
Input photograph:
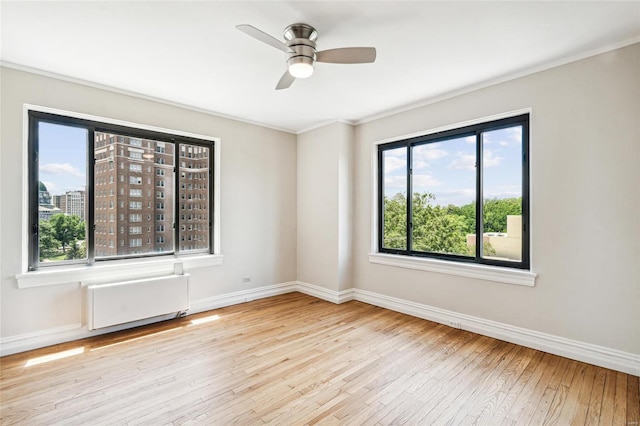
(294, 360)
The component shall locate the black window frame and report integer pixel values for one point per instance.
(92, 126)
(475, 130)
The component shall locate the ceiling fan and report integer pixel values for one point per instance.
(300, 47)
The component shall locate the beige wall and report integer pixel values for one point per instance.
(258, 198)
(585, 199)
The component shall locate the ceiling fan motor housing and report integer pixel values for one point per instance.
(301, 39)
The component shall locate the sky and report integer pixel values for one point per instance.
(62, 157)
(447, 169)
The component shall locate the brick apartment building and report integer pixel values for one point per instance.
(135, 196)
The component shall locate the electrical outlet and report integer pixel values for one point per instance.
(246, 279)
(455, 324)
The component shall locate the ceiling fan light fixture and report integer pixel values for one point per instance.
(301, 66)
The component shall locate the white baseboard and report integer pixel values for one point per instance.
(242, 296)
(573, 349)
(580, 351)
(324, 293)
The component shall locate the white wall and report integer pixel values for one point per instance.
(258, 199)
(325, 179)
(585, 199)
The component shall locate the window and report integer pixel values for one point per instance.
(439, 194)
(63, 144)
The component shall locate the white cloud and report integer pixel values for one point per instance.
(511, 136)
(468, 161)
(463, 161)
(428, 153)
(392, 164)
(470, 139)
(424, 180)
(489, 160)
(61, 169)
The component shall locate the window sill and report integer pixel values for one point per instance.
(114, 270)
(482, 272)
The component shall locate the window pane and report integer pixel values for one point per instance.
(394, 193)
(126, 195)
(502, 194)
(62, 160)
(194, 197)
(444, 193)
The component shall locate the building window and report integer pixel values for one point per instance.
(94, 185)
(459, 195)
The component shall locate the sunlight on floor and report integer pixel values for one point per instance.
(205, 319)
(136, 338)
(54, 357)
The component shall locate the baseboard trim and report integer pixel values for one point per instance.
(573, 349)
(324, 293)
(242, 296)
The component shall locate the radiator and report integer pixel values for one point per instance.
(126, 301)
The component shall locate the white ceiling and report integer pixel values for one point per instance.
(190, 52)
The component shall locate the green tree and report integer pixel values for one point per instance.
(443, 229)
(496, 211)
(76, 251)
(435, 229)
(395, 222)
(48, 246)
(67, 228)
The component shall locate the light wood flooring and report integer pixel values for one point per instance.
(295, 360)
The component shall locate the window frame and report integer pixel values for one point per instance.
(476, 128)
(33, 115)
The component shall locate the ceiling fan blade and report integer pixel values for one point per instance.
(347, 55)
(285, 81)
(263, 37)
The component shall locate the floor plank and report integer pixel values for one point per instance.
(294, 359)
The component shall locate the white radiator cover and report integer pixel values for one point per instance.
(126, 301)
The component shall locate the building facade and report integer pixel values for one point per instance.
(135, 196)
